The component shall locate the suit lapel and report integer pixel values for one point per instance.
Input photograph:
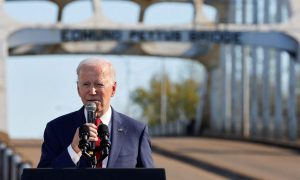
(118, 136)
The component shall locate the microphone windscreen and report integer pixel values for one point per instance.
(103, 130)
(84, 129)
(90, 106)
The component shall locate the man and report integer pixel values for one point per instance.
(130, 143)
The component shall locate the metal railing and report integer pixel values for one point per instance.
(175, 128)
(11, 164)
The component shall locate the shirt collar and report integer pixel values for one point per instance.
(105, 118)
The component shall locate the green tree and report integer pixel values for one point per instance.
(182, 99)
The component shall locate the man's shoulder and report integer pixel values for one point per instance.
(129, 121)
(63, 119)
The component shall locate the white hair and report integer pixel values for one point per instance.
(98, 62)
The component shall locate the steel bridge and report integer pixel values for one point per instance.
(246, 51)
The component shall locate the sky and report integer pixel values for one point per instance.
(41, 88)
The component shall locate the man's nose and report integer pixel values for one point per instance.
(92, 90)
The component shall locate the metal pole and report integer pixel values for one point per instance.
(232, 11)
(266, 90)
(278, 93)
(239, 112)
(15, 161)
(278, 98)
(244, 11)
(223, 91)
(2, 150)
(266, 11)
(3, 106)
(214, 101)
(245, 94)
(22, 167)
(279, 5)
(228, 91)
(292, 125)
(289, 8)
(255, 11)
(6, 163)
(254, 97)
(233, 89)
(233, 83)
(199, 111)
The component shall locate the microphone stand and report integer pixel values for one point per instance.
(89, 155)
(86, 147)
(91, 158)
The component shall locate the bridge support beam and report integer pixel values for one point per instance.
(266, 11)
(213, 98)
(226, 91)
(3, 117)
(4, 22)
(245, 92)
(266, 93)
(234, 93)
(254, 93)
(292, 124)
(278, 131)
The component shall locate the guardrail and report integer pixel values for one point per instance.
(11, 165)
(175, 128)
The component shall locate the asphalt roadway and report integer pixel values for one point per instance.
(188, 158)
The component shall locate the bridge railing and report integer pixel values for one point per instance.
(11, 164)
(175, 128)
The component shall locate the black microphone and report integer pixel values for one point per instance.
(84, 134)
(103, 134)
(91, 109)
(84, 145)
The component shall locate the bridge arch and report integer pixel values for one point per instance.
(200, 40)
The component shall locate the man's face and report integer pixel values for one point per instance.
(94, 84)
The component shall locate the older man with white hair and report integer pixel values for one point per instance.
(130, 142)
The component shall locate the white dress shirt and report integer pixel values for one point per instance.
(106, 119)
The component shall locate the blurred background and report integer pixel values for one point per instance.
(215, 80)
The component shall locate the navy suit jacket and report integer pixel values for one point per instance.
(130, 142)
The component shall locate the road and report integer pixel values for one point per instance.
(207, 158)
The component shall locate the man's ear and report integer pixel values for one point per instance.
(78, 89)
(114, 88)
